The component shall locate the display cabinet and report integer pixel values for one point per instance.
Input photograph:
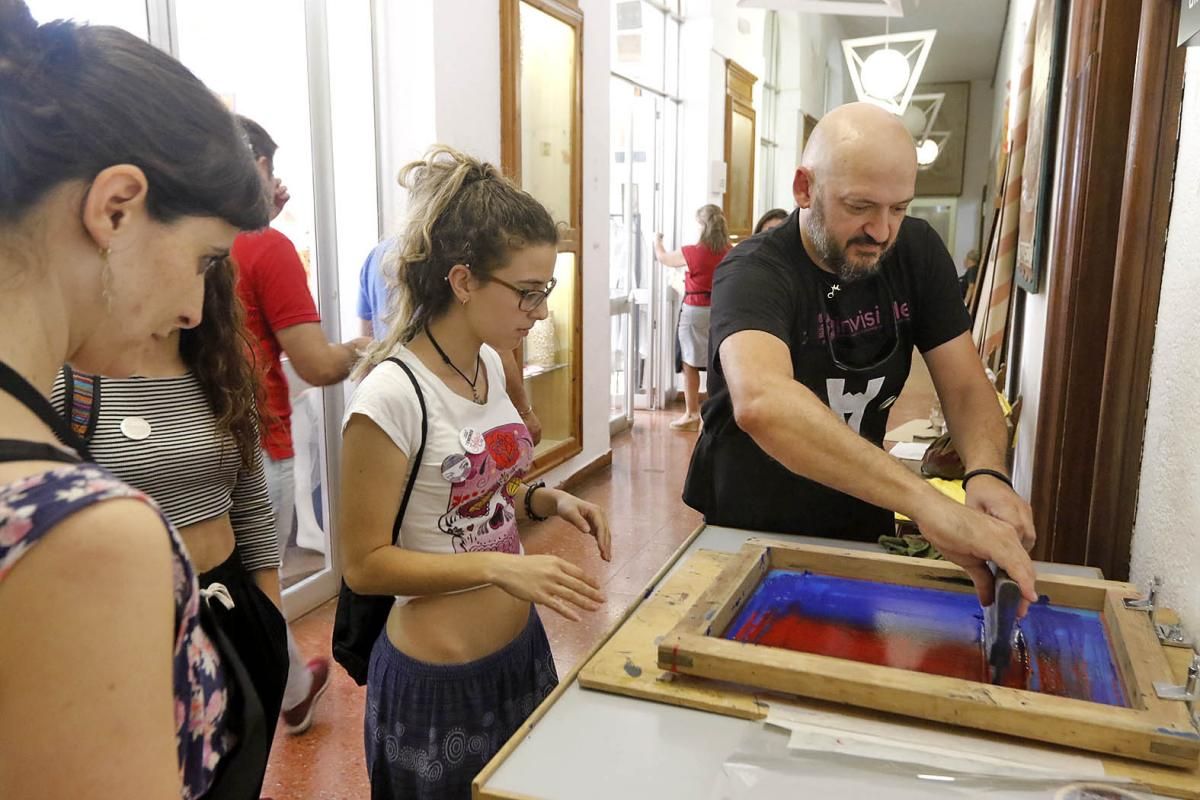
(541, 54)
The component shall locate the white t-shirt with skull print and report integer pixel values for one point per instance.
(475, 455)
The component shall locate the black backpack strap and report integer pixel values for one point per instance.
(81, 402)
(21, 450)
(414, 464)
(20, 389)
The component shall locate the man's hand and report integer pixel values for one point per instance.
(996, 498)
(970, 539)
(534, 425)
(279, 198)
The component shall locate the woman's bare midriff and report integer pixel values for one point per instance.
(209, 543)
(457, 628)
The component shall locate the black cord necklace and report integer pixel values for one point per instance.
(446, 358)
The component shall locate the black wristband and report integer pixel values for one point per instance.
(529, 512)
(1000, 476)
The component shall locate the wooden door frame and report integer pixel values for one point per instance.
(1122, 93)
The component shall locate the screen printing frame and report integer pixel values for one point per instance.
(1150, 729)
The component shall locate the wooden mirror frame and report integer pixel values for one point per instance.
(570, 238)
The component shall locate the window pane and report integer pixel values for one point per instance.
(671, 58)
(254, 55)
(637, 43)
(618, 404)
(127, 14)
(266, 83)
(550, 356)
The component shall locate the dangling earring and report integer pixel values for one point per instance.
(106, 278)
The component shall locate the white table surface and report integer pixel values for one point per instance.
(594, 745)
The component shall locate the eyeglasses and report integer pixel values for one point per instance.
(888, 312)
(531, 299)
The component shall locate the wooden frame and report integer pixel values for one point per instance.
(1122, 91)
(570, 238)
(739, 101)
(1150, 729)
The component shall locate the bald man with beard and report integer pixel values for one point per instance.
(812, 334)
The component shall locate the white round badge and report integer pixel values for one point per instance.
(472, 441)
(136, 428)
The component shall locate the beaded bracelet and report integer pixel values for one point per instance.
(529, 512)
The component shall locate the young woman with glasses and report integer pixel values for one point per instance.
(463, 659)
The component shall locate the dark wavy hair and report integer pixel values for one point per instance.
(217, 351)
(775, 214)
(77, 99)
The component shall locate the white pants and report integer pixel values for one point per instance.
(281, 485)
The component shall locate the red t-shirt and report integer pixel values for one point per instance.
(274, 289)
(697, 282)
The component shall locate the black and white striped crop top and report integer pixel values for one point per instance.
(160, 436)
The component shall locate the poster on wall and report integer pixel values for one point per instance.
(1039, 147)
(944, 177)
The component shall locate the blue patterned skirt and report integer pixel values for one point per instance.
(430, 728)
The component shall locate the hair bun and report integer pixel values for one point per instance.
(27, 48)
(18, 34)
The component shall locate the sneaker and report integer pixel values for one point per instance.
(686, 423)
(298, 719)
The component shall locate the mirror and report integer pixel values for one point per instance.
(548, 53)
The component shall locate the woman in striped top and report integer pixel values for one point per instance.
(184, 431)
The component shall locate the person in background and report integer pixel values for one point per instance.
(970, 272)
(375, 307)
(701, 260)
(283, 320)
(463, 659)
(124, 183)
(184, 431)
(772, 219)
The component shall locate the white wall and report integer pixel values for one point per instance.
(440, 82)
(810, 70)
(1165, 538)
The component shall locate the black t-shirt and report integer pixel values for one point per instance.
(851, 344)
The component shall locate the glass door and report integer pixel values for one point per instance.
(274, 67)
(642, 204)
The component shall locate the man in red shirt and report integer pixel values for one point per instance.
(282, 318)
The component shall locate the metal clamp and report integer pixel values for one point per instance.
(1170, 635)
(1189, 692)
(1149, 602)
(1173, 635)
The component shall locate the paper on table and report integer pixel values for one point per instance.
(910, 451)
(917, 744)
(911, 431)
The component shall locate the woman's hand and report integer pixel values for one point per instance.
(549, 581)
(587, 517)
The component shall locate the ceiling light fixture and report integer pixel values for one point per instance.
(930, 148)
(885, 69)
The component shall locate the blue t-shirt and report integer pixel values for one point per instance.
(374, 298)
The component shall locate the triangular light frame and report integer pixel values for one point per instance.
(930, 104)
(916, 55)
